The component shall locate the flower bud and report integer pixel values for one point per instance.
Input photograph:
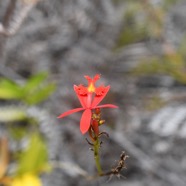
(101, 122)
(97, 111)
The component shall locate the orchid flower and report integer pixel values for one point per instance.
(89, 97)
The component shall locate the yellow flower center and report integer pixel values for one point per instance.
(91, 88)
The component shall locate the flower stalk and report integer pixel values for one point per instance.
(97, 156)
(95, 135)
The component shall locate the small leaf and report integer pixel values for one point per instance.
(40, 94)
(36, 89)
(34, 82)
(10, 90)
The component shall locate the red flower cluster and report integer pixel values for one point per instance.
(89, 98)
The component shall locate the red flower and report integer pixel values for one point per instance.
(89, 98)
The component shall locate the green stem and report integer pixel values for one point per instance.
(96, 155)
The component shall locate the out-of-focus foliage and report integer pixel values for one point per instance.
(34, 158)
(9, 89)
(173, 65)
(12, 114)
(142, 20)
(30, 163)
(36, 89)
(31, 92)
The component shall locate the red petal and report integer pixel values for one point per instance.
(70, 112)
(98, 99)
(92, 80)
(107, 105)
(85, 121)
(82, 98)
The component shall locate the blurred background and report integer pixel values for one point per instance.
(138, 47)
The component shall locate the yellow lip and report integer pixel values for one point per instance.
(91, 88)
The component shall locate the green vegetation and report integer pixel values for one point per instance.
(32, 159)
(33, 91)
(35, 157)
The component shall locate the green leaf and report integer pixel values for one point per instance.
(35, 158)
(34, 82)
(10, 90)
(36, 89)
(40, 94)
(9, 114)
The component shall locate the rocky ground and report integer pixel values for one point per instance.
(71, 38)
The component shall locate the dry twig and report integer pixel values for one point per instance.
(145, 162)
